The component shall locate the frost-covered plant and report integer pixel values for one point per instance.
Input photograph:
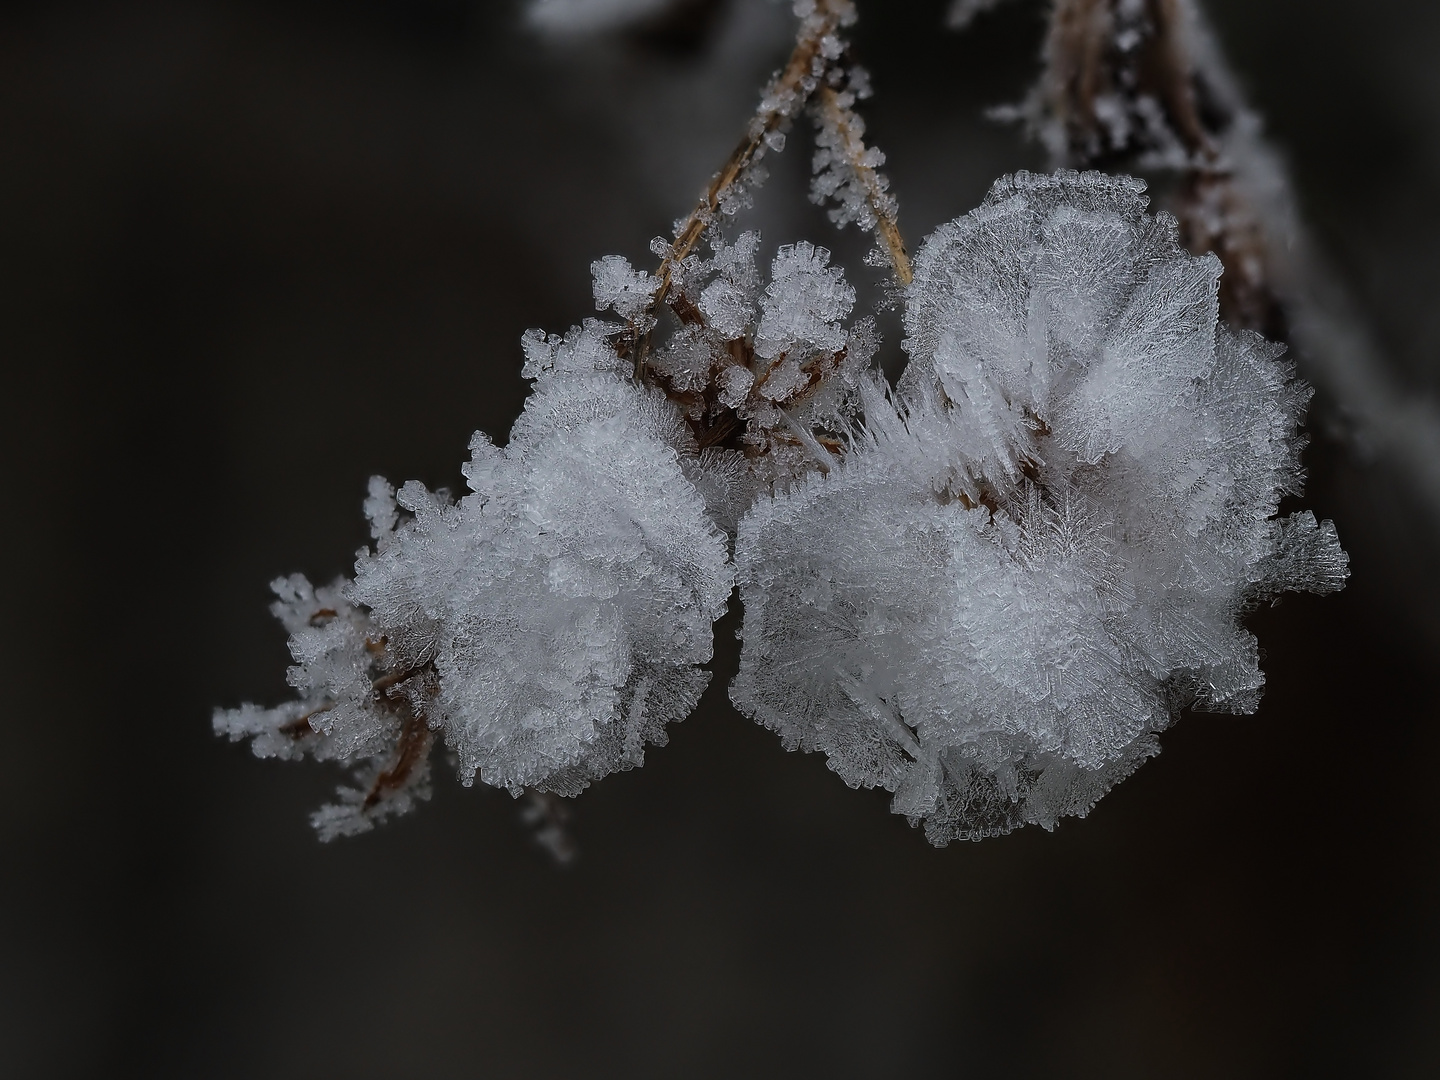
(986, 591)
(548, 624)
(1037, 551)
(1142, 86)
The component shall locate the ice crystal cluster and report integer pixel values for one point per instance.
(549, 623)
(986, 590)
(844, 168)
(771, 361)
(1039, 547)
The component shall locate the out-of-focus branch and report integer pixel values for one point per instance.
(1143, 87)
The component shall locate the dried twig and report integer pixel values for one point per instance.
(781, 102)
(839, 115)
(416, 738)
(300, 728)
(411, 749)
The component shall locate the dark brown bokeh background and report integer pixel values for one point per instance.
(252, 252)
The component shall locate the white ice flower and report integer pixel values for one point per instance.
(567, 602)
(1041, 546)
(548, 625)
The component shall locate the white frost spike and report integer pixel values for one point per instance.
(1041, 547)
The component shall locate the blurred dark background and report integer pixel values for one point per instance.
(251, 253)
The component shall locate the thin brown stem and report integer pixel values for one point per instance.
(410, 751)
(413, 745)
(300, 728)
(782, 101)
(385, 682)
(839, 116)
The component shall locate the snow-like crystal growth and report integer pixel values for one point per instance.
(568, 601)
(617, 285)
(989, 596)
(840, 157)
(1040, 547)
(549, 624)
(728, 300)
(350, 709)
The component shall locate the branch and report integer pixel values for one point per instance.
(413, 745)
(411, 749)
(782, 101)
(842, 118)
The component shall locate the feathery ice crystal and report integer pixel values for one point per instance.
(1038, 548)
(549, 624)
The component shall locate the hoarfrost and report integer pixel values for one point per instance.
(728, 301)
(987, 591)
(567, 602)
(549, 624)
(1038, 549)
(803, 304)
(346, 711)
(841, 163)
(617, 285)
(772, 360)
